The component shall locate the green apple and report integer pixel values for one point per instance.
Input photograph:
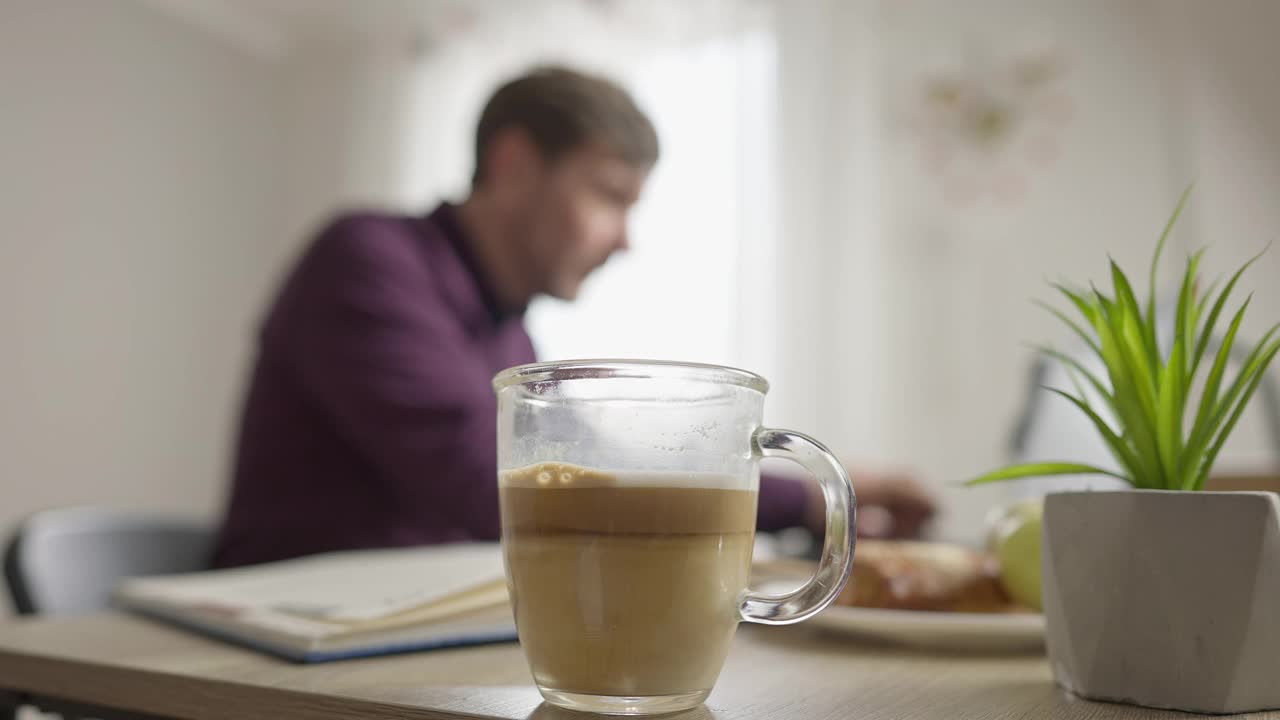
(1003, 518)
(1018, 551)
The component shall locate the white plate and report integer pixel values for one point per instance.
(987, 632)
(940, 630)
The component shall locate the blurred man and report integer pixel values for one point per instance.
(370, 421)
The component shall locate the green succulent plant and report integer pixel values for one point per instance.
(1144, 408)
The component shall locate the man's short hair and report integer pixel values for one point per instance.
(562, 110)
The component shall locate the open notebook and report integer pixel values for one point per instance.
(340, 605)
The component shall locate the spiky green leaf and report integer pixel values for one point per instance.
(1155, 259)
(1045, 469)
(1206, 332)
(1255, 374)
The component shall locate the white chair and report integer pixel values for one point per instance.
(67, 561)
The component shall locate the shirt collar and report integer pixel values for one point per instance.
(445, 220)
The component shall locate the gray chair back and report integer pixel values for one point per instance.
(68, 561)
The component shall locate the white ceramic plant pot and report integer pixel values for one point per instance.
(1165, 599)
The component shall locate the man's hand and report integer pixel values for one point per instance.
(890, 505)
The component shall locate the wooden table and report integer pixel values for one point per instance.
(115, 665)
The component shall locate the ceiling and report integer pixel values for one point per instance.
(336, 18)
(276, 28)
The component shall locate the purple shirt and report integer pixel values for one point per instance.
(370, 420)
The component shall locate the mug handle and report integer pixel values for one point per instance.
(837, 549)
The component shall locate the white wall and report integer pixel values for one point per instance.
(346, 109)
(139, 183)
(1232, 105)
(923, 311)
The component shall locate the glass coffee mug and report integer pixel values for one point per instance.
(628, 494)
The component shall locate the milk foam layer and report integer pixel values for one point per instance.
(550, 475)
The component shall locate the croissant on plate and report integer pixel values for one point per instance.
(940, 577)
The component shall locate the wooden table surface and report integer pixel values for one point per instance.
(118, 661)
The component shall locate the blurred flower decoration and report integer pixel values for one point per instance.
(987, 127)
